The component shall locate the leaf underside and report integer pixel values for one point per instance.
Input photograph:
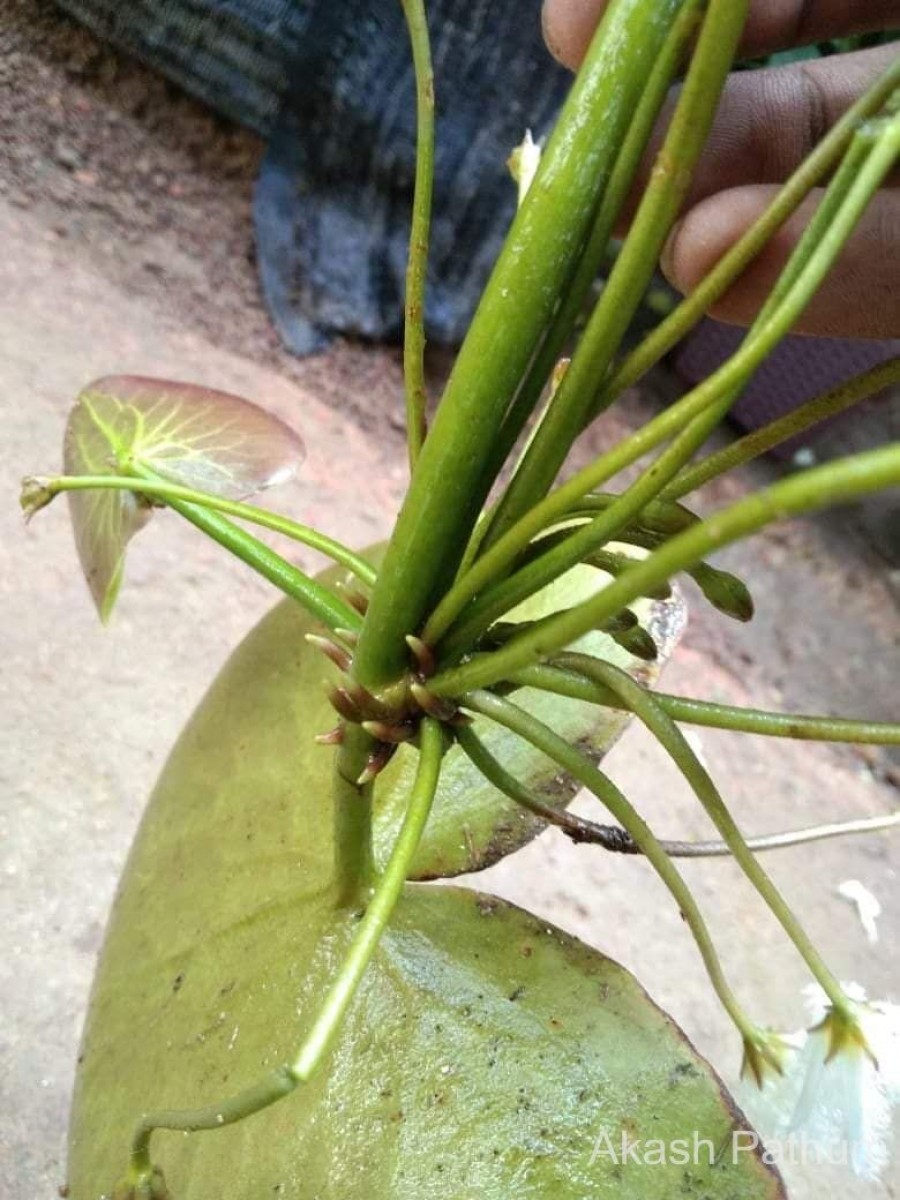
(194, 436)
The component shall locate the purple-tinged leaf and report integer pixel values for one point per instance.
(203, 439)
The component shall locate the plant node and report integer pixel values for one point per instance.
(150, 1186)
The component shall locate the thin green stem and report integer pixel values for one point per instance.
(317, 599)
(285, 1078)
(613, 200)
(417, 267)
(811, 172)
(637, 260)
(614, 838)
(562, 677)
(736, 260)
(659, 342)
(835, 483)
(822, 408)
(452, 479)
(642, 703)
(571, 760)
(383, 903)
(158, 489)
(862, 172)
(610, 837)
(275, 1086)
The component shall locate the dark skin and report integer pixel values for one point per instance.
(768, 121)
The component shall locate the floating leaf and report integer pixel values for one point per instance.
(203, 439)
(486, 1053)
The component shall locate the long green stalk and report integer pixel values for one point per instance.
(159, 489)
(708, 402)
(615, 840)
(634, 267)
(644, 706)
(417, 267)
(848, 479)
(613, 201)
(317, 599)
(571, 760)
(822, 408)
(735, 261)
(669, 422)
(383, 903)
(450, 482)
(562, 677)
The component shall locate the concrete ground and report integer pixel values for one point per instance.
(89, 715)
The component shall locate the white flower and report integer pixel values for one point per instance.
(839, 1088)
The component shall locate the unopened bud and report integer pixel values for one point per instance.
(36, 494)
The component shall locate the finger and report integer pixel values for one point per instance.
(769, 121)
(859, 298)
(771, 24)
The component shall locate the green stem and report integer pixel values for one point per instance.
(451, 479)
(352, 806)
(275, 1086)
(736, 260)
(662, 199)
(672, 740)
(615, 839)
(841, 208)
(383, 903)
(417, 267)
(811, 172)
(620, 185)
(822, 408)
(838, 482)
(658, 343)
(317, 599)
(610, 837)
(571, 760)
(565, 680)
(162, 490)
(285, 1078)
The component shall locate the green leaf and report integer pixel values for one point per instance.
(191, 435)
(485, 1054)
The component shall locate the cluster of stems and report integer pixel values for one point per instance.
(453, 570)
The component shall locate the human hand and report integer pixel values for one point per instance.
(768, 121)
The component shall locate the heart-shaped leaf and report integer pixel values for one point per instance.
(486, 1053)
(203, 439)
